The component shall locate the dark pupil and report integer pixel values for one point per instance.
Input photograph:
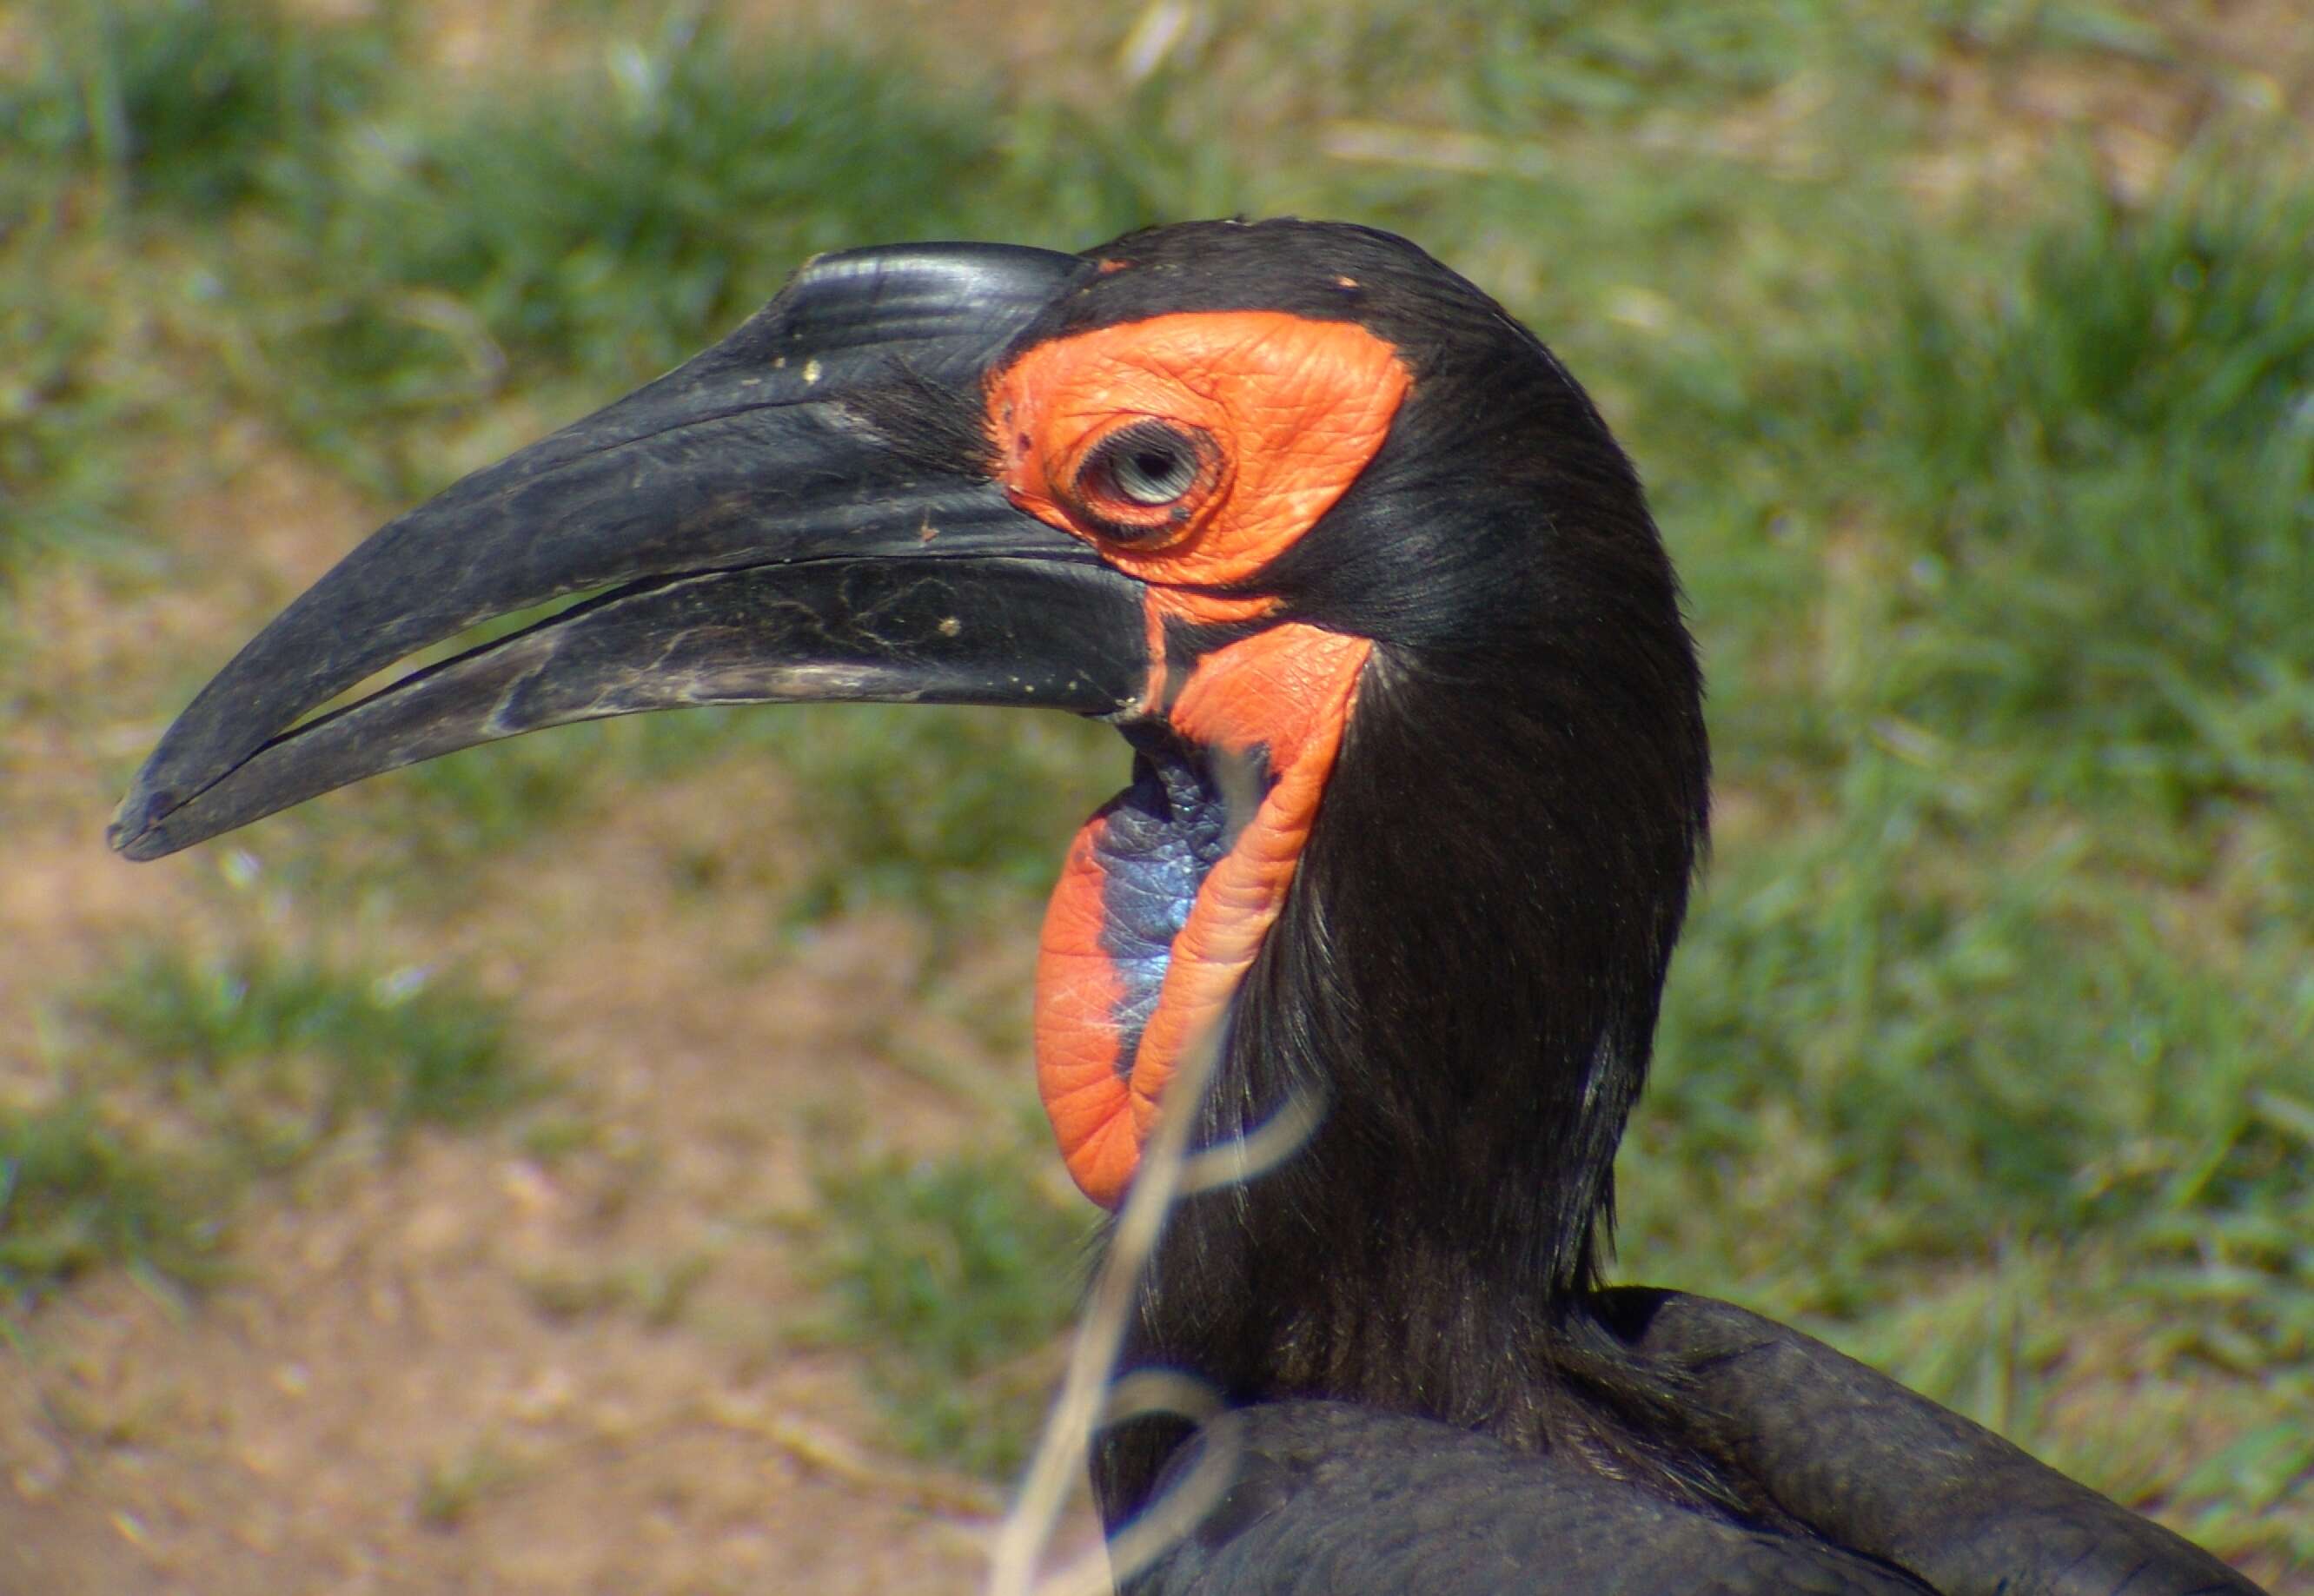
(1153, 471)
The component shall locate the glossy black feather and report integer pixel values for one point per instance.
(1338, 1500)
(1329, 1497)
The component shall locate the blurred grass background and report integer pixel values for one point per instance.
(1967, 348)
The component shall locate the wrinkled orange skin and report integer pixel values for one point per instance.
(1295, 409)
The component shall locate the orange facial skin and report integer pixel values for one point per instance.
(1296, 407)
(1286, 692)
(1283, 413)
(1289, 691)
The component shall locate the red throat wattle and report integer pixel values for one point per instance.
(1283, 695)
(1280, 414)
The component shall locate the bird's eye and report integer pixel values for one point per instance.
(1149, 464)
(1136, 483)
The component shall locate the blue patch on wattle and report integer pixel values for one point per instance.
(1163, 834)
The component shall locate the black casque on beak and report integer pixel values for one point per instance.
(801, 512)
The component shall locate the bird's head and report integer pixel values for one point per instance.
(1341, 548)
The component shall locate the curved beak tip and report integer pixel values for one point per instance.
(130, 831)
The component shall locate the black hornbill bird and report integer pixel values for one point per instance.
(1419, 785)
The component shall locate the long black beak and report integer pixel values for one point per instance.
(801, 512)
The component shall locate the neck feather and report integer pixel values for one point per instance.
(1466, 971)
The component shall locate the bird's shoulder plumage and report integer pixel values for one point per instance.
(1875, 1466)
(1350, 1501)
(1889, 1492)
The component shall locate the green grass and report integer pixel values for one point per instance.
(191, 105)
(617, 222)
(195, 1077)
(286, 1052)
(1578, 64)
(450, 1489)
(1942, 1043)
(949, 1275)
(615, 218)
(84, 387)
(60, 483)
(956, 814)
(131, 132)
(79, 1193)
(2096, 450)
(656, 1291)
(429, 822)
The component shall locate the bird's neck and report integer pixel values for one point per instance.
(1465, 976)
